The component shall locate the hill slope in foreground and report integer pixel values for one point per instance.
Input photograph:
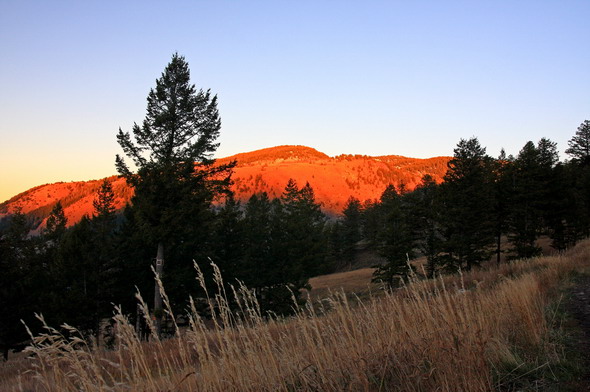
(334, 180)
(495, 328)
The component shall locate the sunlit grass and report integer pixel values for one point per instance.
(479, 331)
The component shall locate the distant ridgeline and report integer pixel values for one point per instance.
(334, 180)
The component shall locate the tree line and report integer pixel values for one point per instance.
(482, 204)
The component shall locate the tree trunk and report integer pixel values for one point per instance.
(158, 313)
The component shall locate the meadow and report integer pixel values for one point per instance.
(494, 328)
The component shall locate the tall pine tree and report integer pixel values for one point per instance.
(396, 239)
(468, 205)
(172, 149)
(351, 228)
(579, 167)
(529, 187)
(426, 218)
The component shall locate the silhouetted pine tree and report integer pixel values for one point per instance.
(396, 238)
(74, 286)
(579, 144)
(228, 239)
(52, 236)
(21, 281)
(55, 226)
(529, 188)
(579, 151)
(502, 199)
(176, 180)
(297, 248)
(335, 244)
(426, 218)
(468, 206)
(104, 203)
(255, 269)
(351, 228)
(371, 223)
(563, 215)
(106, 267)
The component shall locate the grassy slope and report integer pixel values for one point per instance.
(494, 329)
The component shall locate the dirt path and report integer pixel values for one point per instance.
(578, 306)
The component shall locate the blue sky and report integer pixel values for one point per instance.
(366, 77)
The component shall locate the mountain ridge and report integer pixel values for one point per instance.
(334, 180)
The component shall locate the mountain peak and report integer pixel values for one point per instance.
(286, 152)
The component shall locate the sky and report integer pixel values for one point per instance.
(345, 77)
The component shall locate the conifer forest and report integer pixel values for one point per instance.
(184, 234)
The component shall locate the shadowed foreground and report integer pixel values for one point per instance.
(475, 332)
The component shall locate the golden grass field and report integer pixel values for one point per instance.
(485, 330)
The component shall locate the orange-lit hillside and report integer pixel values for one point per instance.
(334, 180)
(76, 199)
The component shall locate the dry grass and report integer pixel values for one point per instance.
(358, 281)
(471, 333)
(351, 282)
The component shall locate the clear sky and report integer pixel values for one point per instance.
(364, 77)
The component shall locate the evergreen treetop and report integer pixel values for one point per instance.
(579, 145)
(104, 203)
(55, 226)
(181, 124)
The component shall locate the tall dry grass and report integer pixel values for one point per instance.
(463, 333)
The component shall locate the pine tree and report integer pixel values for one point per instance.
(20, 283)
(371, 222)
(468, 204)
(297, 247)
(73, 278)
(104, 203)
(104, 266)
(579, 151)
(351, 228)
(426, 217)
(304, 223)
(257, 263)
(335, 245)
(579, 145)
(55, 226)
(502, 197)
(529, 179)
(228, 238)
(82, 270)
(396, 239)
(176, 180)
(564, 215)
